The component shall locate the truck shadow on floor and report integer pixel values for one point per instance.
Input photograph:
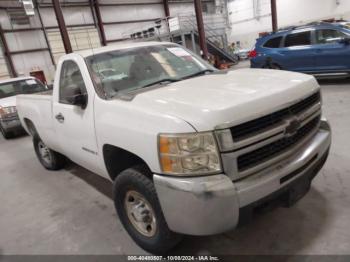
(101, 184)
(275, 231)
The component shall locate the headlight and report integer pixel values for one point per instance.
(189, 154)
(7, 111)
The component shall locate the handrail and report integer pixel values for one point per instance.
(190, 24)
(215, 36)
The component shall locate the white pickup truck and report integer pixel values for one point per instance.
(191, 150)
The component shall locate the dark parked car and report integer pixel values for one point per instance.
(322, 48)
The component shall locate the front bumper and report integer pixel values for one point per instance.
(11, 124)
(214, 204)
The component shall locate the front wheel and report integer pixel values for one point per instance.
(139, 211)
(50, 159)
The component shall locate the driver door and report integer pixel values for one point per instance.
(73, 124)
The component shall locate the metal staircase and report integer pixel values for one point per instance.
(215, 36)
(187, 34)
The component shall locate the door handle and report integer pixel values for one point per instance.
(60, 118)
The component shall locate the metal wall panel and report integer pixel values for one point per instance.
(80, 38)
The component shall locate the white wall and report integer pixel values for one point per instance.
(24, 63)
(247, 21)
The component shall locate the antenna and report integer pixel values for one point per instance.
(88, 33)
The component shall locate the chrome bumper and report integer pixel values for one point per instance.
(211, 204)
(11, 124)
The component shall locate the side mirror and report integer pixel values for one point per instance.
(78, 100)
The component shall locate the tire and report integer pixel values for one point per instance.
(5, 134)
(275, 67)
(132, 183)
(53, 161)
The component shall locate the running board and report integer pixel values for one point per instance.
(331, 75)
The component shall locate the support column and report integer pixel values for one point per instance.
(91, 4)
(100, 23)
(274, 16)
(200, 26)
(166, 8)
(7, 54)
(62, 26)
(45, 35)
(183, 39)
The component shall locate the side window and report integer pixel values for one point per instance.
(326, 36)
(298, 39)
(71, 81)
(274, 42)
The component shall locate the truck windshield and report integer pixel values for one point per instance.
(132, 69)
(28, 86)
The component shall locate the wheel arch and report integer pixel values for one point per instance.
(30, 127)
(117, 159)
(270, 62)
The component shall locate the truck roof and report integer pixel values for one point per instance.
(119, 46)
(15, 79)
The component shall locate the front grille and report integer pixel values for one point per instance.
(257, 125)
(270, 151)
(10, 117)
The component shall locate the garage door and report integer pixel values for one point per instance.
(80, 38)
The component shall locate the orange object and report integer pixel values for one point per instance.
(39, 74)
(166, 164)
(164, 145)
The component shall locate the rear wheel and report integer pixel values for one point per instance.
(139, 211)
(50, 159)
(275, 66)
(272, 66)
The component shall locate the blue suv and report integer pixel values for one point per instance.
(322, 48)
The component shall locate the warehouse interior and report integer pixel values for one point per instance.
(71, 211)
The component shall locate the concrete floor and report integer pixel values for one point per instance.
(71, 211)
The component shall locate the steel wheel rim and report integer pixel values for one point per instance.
(44, 152)
(140, 213)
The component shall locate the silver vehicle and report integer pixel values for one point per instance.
(9, 88)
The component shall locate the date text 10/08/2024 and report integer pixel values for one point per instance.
(173, 258)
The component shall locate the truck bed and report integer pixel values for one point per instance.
(46, 93)
(38, 109)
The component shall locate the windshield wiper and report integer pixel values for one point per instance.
(161, 81)
(203, 72)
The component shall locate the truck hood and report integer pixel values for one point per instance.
(215, 100)
(8, 101)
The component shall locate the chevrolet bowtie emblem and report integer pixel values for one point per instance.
(293, 126)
